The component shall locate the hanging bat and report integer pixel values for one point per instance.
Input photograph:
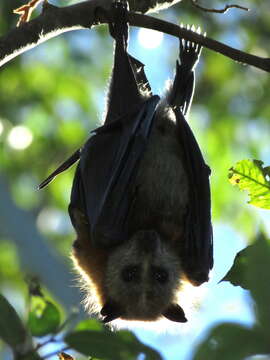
(140, 201)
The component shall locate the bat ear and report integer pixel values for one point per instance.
(175, 313)
(111, 311)
(197, 277)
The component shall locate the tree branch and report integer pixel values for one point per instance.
(26, 10)
(218, 11)
(53, 21)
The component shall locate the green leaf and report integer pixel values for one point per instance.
(110, 346)
(137, 347)
(250, 175)
(89, 324)
(44, 319)
(31, 356)
(232, 341)
(251, 270)
(259, 280)
(12, 330)
(237, 275)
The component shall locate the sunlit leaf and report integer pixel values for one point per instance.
(44, 319)
(89, 324)
(250, 175)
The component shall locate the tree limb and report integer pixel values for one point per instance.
(54, 20)
(25, 11)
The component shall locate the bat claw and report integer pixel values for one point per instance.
(189, 50)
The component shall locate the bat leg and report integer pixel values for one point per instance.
(118, 27)
(184, 82)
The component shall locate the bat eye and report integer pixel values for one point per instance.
(131, 273)
(160, 275)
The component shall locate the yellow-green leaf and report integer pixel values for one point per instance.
(250, 175)
(44, 319)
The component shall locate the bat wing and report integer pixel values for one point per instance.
(139, 78)
(108, 164)
(64, 166)
(199, 243)
(138, 71)
(198, 253)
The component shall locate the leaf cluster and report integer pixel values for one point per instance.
(251, 271)
(89, 337)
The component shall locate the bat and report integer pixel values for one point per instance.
(140, 200)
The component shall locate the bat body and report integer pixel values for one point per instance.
(140, 201)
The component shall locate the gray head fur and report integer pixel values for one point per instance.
(142, 278)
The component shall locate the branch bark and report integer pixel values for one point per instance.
(54, 20)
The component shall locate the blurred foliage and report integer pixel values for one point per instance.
(250, 175)
(250, 271)
(88, 338)
(43, 319)
(56, 91)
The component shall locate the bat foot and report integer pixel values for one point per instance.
(190, 51)
(119, 28)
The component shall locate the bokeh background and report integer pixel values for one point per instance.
(50, 99)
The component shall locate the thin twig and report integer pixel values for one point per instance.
(41, 345)
(181, 32)
(219, 11)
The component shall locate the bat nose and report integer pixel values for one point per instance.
(149, 241)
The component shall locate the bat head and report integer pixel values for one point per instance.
(141, 279)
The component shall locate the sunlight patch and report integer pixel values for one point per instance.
(150, 39)
(20, 137)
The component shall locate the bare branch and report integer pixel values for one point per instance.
(26, 10)
(180, 32)
(219, 11)
(54, 21)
